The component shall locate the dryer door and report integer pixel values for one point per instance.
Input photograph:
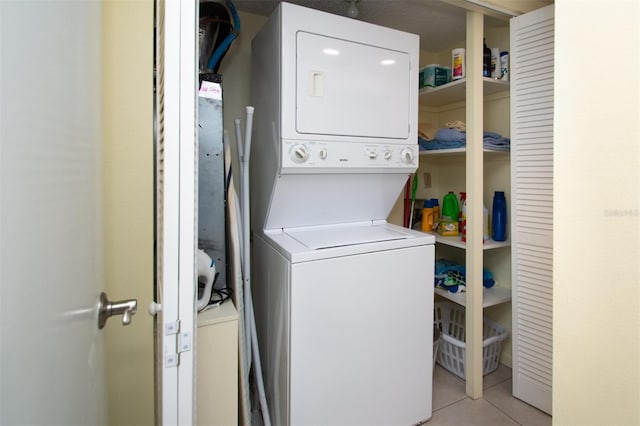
(345, 88)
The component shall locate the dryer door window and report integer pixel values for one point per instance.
(345, 88)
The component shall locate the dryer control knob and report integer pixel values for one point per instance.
(299, 153)
(322, 154)
(373, 155)
(407, 155)
(387, 155)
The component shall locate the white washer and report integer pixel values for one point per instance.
(346, 322)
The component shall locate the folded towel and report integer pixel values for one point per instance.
(450, 135)
(458, 125)
(452, 138)
(426, 145)
(496, 142)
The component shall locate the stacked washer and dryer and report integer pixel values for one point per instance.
(343, 300)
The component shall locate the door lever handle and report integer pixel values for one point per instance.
(106, 309)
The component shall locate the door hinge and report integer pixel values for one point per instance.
(171, 328)
(181, 342)
(184, 342)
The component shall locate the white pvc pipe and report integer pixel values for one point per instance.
(250, 319)
(243, 163)
(233, 207)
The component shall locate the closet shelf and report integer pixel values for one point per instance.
(490, 296)
(456, 91)
(457, 242)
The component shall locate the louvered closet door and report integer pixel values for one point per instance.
(532, 204)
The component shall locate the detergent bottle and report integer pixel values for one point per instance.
(450, 207)
(427, 216)
(436, 209)
(499, 217)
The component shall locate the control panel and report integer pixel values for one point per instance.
(317, 154)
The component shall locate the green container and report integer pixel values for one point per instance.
(450, 207)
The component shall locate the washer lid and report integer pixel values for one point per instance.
(341, 235)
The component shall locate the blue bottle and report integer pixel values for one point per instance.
(499, 217)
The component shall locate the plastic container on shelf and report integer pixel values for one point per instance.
(427, 216)
(504, 66)
(496, 72)
(499, 217)
(433, 75)
(486, 60)
(450, 320)
(458, 67)
(450, 207)
(436, 209)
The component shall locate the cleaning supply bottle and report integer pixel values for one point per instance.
(486, 60)
(436, 209)
(427, 216)
(499, 217)
(450, 207)
(462, 217)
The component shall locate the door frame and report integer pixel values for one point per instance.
(177, 212)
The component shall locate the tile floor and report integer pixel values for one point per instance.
(451, 406)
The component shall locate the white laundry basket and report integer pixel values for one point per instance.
(450, 319)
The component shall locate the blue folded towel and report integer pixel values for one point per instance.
(452, 138)
(450, 135)
(426, 145)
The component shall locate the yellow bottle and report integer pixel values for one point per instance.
(427, 216)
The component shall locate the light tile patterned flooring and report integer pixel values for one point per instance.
(452, 407)
(498, 407)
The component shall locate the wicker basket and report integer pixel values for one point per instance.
(450, 319)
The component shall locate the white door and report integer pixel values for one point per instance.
(52, 368)
(52, 353)
(532, 74)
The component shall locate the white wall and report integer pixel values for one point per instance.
(236, 73)
(596, 354)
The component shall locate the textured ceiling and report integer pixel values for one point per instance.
(437, 22)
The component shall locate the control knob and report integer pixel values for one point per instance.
(299, 153)
(407, 155)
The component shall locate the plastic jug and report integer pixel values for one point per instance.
(436, 209)
(450, 207)
(499, 217)
(427, 216)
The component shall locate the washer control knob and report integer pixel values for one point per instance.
(299, 153)
(407, 155)
(322, 154)
(373, 155)
(387, 155)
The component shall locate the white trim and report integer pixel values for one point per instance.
(179, 212)
(171, 202)
(188, 200)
